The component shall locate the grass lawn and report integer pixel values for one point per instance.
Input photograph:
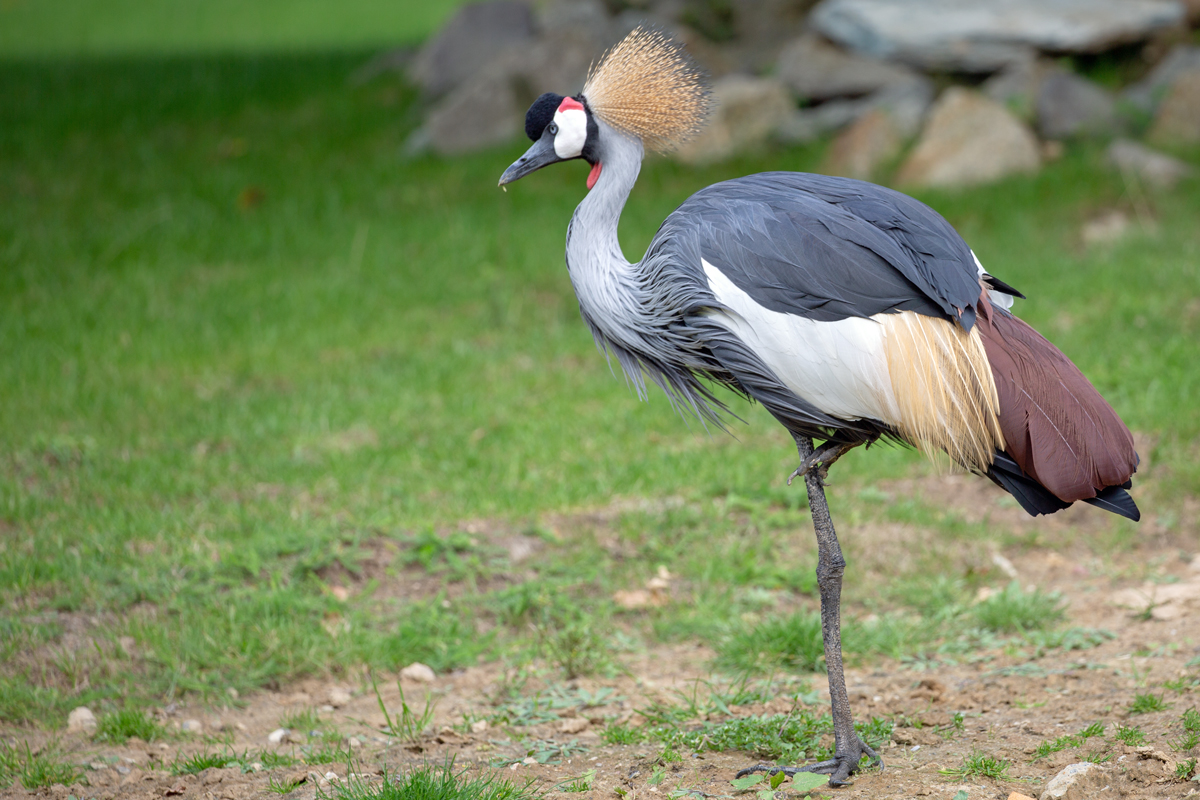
(248, 346)
(31, 28)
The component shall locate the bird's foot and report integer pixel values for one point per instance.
(820, 459)
(839, 768)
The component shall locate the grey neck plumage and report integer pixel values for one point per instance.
(639, 312)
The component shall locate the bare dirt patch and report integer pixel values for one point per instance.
(1147, 596)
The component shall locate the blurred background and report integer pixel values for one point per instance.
(289, 388)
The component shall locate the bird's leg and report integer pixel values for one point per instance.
(820, 457)
(849, 748)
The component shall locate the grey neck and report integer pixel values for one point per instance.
(605, 282)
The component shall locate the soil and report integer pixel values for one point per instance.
(1147, 594)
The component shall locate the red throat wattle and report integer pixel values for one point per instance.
(594, 175)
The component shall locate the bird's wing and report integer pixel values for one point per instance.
(827, 248)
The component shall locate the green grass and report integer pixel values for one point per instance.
(1014, 610)
(41, 770)
(107, 27)
(213, 411)
(1072, 740)
(430, 782)
(1147, 703)
(1130, 735)
(980, 764)
(120, 726)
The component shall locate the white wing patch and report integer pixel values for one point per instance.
(998, 298)
(839, 367)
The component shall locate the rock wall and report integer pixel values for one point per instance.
(867, 72)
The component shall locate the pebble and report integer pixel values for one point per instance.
(418, 672)
(338, 696)
(81, 720)
(276, 736)
(191, 726)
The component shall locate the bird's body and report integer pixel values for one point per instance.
(850, 311)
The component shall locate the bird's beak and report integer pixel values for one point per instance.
(540, 155)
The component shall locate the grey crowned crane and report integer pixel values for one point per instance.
(850, 311)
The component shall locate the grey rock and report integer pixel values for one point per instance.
(748, 112)
(1016, 87)
(1177, 120)
(906, 104)
(1075, 782)
(984, 35)
(1148, 92)
(969, 139)
(1069, 105)
(1150, 166)
(817, 70)
(478, 114)
(474, 36)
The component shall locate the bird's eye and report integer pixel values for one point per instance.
(553, 128)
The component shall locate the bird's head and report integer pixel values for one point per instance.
(646, 87)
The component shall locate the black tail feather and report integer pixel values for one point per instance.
(1037, 499)
(1116, 500)
(1033, 497)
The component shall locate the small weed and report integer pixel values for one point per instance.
(272, 759)
(623, 734)
(544, 752)
(1185, 742)
(304, 720)
(1063, 742)
(1191, 720)
(1097, 756)
(577, 647)
(120, 726)
(1185, 769)
(1132, 735)
(981, 764)
(1148, 703)
(581, 784)
(35, 770)
(329, 752)
(282, 786)
(194, 765)
(657, 775)
(1180, 685)
(409, 726)
(957, 725)
(669, 756)
(435, 783)
(1015, 610)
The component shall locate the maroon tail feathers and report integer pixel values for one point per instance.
(1064, 441)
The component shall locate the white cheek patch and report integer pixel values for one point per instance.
(572, 132)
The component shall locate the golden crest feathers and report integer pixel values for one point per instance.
(648, 86)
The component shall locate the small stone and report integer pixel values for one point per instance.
(573, 725)
(338, 697)
(232, 692)
(1018, 796)
(1075, 782)
(276, 736)
(81, 720)
(191, 726)
(861, 149)
(479, 726)
(418, 672)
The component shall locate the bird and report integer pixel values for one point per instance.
(852, 312)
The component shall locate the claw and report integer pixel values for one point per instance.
(839, 768)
